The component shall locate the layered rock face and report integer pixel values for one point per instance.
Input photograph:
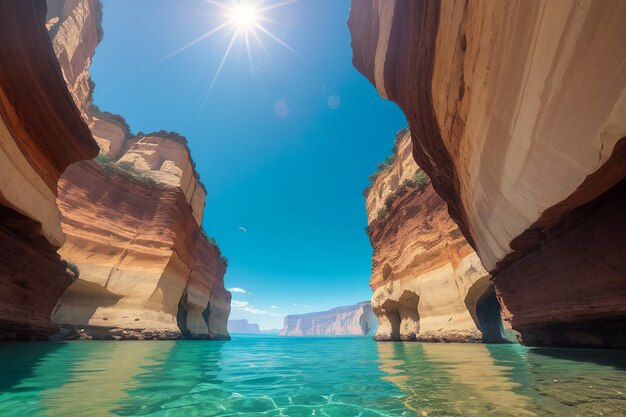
(76, 29)
(356, 320)
(428, 282)
(242, 326)
(165, 157)
(41, 133)
(518, 114)
(133, 219)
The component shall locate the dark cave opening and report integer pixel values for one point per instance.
(488, 314)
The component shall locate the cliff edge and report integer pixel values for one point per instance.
(517, 113)
(429, 284)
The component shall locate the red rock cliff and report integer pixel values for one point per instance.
(41, 133)
(518, 114)
(428, 282)
(133, 219)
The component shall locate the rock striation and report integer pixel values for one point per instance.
(41, 133)
(242, 326)
(428, 283)
(355, 320)
(518, 114)
(132, 217)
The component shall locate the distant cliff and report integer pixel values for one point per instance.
(41, 134)
(133, 217)
(341, 321)
(428, 283)
(242, 326)
(517, 114)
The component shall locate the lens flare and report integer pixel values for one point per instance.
(244, 16)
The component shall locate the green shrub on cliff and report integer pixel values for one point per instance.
(419, 181)
(381, 167)
(213, 243)
(127, 171)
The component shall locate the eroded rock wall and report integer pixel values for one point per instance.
(166, 158)
(518, 114)
(428, 282)
(41, 133)
(354, 320)
(133, 218)
(76, 29)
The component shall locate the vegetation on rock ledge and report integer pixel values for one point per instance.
(381, 167)
(419, 181)
(213, 243)
(127, 171)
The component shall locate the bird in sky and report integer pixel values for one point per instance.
(243, 228)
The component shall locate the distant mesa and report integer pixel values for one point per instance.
(271, 331)
(353, 320)
(242, 326)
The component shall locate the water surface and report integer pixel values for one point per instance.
(275, 376)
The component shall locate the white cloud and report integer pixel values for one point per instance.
(239, 290)
(249, 308)
(274, 307)
(239, 304)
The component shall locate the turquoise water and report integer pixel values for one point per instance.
(273, 376)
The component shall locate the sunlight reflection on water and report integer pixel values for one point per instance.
(307, 377)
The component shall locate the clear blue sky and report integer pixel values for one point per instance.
(273, 154)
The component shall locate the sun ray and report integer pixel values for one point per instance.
(219, 68)
(277, 5)
(220, 5)
(256, 36)
(247, 18)
(247, 37)
(281, 42)
(193, 42)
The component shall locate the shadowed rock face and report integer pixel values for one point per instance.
(41, 133)
(146, 269)
(427, 280)
(518, 114)
(357, 320)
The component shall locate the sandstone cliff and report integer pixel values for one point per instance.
(242, 326)
(133, 218)
(428, 283)
(41, 133)
(518, 114)
(357, 320)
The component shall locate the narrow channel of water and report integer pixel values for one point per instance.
(274, 376)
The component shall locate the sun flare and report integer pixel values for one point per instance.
(244, 16)
(246, 21)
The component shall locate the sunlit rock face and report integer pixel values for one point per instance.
(242, 326)
(355, 320)
(133, 220)
(76, 29)
(166, 158)
(145, 269)
(428, 282)
(518, 114)
(41, 133)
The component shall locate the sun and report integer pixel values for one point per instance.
(246, 22)
(244, 16)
